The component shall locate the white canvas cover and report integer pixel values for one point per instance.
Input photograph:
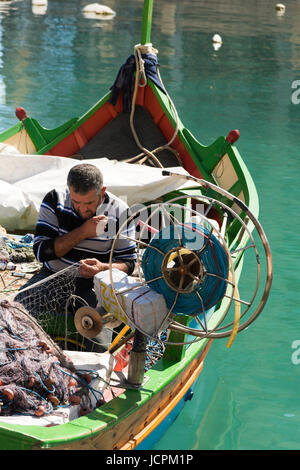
(25, 180)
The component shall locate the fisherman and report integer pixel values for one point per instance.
(78, 225)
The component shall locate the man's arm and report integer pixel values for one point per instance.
(124, 256)
(64, 243)
(48, 243)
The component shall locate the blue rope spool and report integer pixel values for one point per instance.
(196, 244)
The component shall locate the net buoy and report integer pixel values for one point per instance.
(8, 393)
(84, 410)
(40, 411)
(75, 400)
(53, 399)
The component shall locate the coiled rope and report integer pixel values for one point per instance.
(141, 81)
(206, 286)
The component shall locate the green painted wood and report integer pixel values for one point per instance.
(147, 22)
(175, 352)
(49, 135)
(33, 129)
(11, 131)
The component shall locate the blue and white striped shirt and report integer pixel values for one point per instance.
(58, 217)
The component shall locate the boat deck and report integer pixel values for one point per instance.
(105, 145)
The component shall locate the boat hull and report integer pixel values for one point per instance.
(125, 423)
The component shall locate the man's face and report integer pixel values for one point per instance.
(86, 204)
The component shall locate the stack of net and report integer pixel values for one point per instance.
(35, 375)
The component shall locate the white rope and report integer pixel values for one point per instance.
(141, 81)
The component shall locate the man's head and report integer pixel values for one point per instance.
(85, 183)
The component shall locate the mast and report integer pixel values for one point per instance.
(147, 22)
(136, 368)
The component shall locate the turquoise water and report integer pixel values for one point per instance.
(58, 64)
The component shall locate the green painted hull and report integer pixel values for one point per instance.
(114, 424)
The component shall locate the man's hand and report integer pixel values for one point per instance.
(89, 227)
(91, 266)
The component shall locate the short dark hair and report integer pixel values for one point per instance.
(84, 177)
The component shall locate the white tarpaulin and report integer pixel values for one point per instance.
(25, 180)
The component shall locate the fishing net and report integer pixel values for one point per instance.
(50, 301)
(35, 375)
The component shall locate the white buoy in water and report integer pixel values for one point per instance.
(216, 41)
(39, 7)
(40, 3)
(96, 9)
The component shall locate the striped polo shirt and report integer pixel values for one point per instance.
(58, 217)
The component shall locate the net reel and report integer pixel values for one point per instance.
(187, 257)
(89, 322)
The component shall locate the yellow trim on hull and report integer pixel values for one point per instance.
(139, 437)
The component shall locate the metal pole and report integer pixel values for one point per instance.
(136, 369)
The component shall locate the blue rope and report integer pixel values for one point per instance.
(43, 385)
(40, 397)
(192, 237)
(84, 382)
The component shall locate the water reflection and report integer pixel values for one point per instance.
(7, 6)
(215, 429)
(168, 21)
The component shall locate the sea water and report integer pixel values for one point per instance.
(56, 64)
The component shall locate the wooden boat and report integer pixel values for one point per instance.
(142, 126)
